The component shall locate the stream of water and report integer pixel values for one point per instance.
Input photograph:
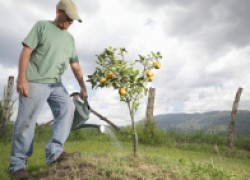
(109, 132)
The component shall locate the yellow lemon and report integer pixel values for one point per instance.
(110, 75)
(157, 65)
(122, 91)
(151, 78)
(150, 73)
(103, 80)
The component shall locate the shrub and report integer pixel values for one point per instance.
(150, 135)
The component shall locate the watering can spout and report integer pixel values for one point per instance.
(102, 129)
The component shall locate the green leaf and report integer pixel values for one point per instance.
(115, 85)
(123, 49)
(141, 57)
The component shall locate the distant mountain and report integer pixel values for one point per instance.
(214, 121)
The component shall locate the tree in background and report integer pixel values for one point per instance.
(130, 82)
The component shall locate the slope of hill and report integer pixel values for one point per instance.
(214, 121)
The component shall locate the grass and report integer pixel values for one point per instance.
(105, 159)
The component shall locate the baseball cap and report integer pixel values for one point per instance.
(70, 9)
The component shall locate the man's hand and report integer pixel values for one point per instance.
(83, 95)
(23, 87)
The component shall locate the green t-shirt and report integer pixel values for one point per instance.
(53, 49)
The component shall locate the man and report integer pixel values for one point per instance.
(47, 51)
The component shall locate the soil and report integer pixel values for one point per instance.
(78, 169)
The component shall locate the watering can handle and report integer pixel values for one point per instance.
(75, 96)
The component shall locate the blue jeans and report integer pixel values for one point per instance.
(29, 107)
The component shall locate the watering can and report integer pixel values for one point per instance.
(81, 115)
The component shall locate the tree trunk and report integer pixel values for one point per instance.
(135, 136)
(135, 144)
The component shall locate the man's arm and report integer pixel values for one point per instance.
(22, 83)
(76, 68)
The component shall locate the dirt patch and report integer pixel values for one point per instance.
(104, 168)
(75, 169)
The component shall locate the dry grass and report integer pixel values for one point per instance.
(105, 168)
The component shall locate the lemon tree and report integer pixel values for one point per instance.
(128, 79)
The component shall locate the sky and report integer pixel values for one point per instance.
(205, 46)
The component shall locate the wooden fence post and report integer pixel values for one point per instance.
(150, 106)
(7, 105)
(231, 125)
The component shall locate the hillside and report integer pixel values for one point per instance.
(214, 121)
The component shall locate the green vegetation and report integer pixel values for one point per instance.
(1, 111)
(162, 155)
